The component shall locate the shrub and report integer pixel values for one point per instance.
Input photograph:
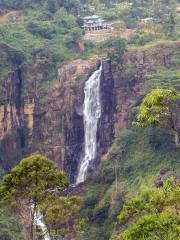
(141, 39)
(42, 29)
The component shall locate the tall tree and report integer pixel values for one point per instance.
(27, 185)
(157, 109)
(52, 6)
(116, 49)
(170, 25)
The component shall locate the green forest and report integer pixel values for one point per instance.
(91, 85)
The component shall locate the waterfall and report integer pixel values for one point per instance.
(91, 115)
(39, 221)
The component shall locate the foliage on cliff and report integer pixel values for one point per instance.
(10, 227)
(152, 214)
(134, 160)
(41, 36)
(51, 5)
(157, 109)
(38, 35)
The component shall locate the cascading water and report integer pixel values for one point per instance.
(91, 114)
(39, 221)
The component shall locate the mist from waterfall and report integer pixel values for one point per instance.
(91, 114)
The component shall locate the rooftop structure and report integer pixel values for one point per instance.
(94, 23)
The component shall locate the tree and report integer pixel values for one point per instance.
(74, 37)
(170, 25)
(27, 185)
(52, 6)
(70, 5)
(116, 49)
(157, 109)
(153, 214)
(63, 211)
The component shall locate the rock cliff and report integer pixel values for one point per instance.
(51, 121)
(139, 64)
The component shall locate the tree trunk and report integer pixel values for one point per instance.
(24, 215)
(176, 138)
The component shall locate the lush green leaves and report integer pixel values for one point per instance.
(152, 227)
(153, 214)
(31, 178)
(155, 109)
(63, 211)
(10, 228)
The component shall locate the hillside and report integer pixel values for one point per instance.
(74, 95)
(135, 161)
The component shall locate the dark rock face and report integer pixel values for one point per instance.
(13, 129)
(106, 125)
(74, 143)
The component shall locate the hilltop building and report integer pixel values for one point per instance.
(94, 23)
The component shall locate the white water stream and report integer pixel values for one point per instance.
(91, 114)
(39, 221)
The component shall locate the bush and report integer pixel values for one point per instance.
(10, 227)
(152, 214)
(42, 29)
(141, 39)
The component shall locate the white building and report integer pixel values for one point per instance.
(94, 23)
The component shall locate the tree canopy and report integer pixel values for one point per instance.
(116, 49)
(156, 109)
(31, 178)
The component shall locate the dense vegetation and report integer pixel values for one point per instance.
(10, 227)
(48, 32)
(155, 212)
(134, 162)
(157, 109)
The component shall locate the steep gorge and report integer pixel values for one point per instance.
(52, 122)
